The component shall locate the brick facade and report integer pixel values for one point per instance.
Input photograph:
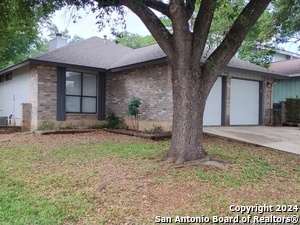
(152, 84)
(267, 100)
(42, 94)
(26, 111)
(43, 98)
(47, 80)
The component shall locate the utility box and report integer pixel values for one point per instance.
(3, 120)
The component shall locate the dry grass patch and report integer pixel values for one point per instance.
(103, 178)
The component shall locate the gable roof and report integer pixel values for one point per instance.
(102, 54)
(289, 68)
(92, 52)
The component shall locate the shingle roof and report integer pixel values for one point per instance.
(139, 55)
(92, 52)
(240, 64)
(287, 67)
(153, 52)
(103, 54)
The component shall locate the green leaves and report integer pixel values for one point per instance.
(134, 40)
(133, 107)
(19, 28)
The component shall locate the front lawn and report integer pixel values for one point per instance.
(104, 178)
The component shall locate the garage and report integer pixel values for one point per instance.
(244, 102)
(213, 107)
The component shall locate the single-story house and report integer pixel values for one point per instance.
(80, 82)
(286, 88)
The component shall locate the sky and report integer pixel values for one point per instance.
(86, 27)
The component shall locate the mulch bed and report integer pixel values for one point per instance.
(71, 131)
(154, 137)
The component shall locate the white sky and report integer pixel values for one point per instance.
(86, 27)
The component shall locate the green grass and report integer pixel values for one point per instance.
(119, 150)
(48, 197)
(114, 181)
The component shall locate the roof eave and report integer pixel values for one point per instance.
(137, 65)
(15, 66)
(272, 75)
(58, 64)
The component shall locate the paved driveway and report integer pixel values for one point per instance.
(280, 138)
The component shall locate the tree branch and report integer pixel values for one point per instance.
(235, 36)
(190, 7)
(159, 6)
(153, 23)
(202, 26)
(180, 22)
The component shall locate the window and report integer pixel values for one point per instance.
(1, 79)
(81, 92)
(8, 76)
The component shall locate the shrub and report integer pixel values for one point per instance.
(113, 121)
(293, 110)
(133, 111)
(47, 125)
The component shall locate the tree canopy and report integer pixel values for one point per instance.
(19, 28)
(134, 40)
(259, 45)
(287, 20)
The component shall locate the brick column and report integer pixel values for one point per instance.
(227, 100)
(26, 109)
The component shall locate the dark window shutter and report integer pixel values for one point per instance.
(101, 95)
(61, 94)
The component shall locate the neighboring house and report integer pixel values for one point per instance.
(282, 55)
(286, 88)
(79, 83)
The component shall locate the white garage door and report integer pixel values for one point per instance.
(244, 102)
(213, 107)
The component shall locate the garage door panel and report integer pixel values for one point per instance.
(244, 102)
(213, 107)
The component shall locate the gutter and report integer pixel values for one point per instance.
(42, 62)
(140, 64)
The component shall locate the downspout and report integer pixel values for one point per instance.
(272, 98)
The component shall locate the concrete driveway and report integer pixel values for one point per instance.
(281, 138)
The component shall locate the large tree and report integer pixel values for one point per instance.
(191, 80)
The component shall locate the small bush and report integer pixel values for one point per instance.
(47, 125)
(293, 110)
(133, 110)
(113, 121)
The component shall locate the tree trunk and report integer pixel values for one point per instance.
(189, 98)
